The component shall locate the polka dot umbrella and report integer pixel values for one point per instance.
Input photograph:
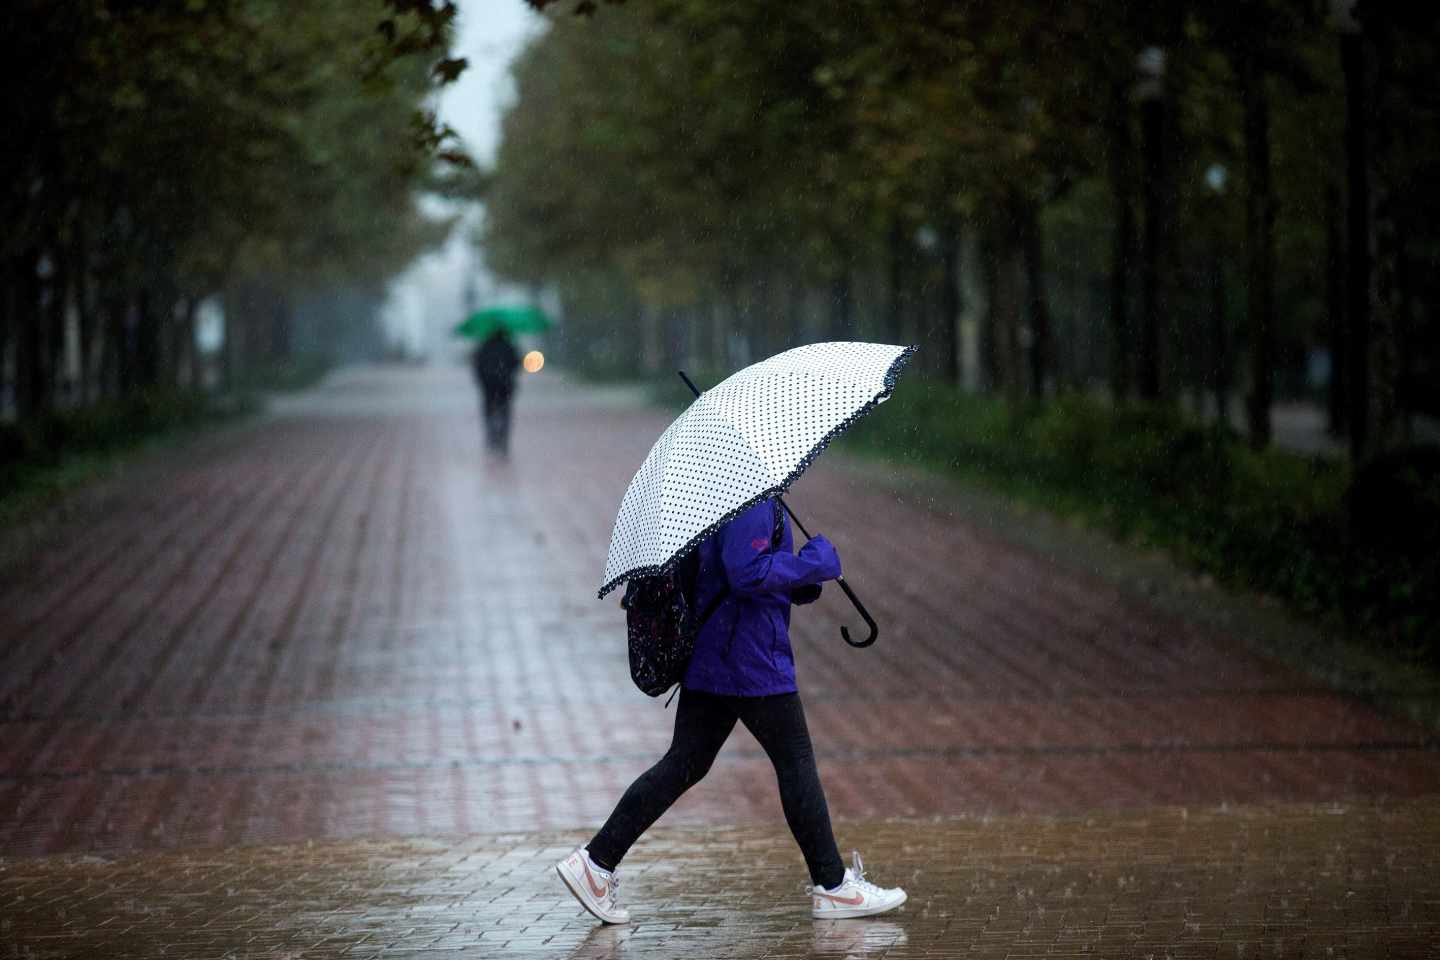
(745, 440)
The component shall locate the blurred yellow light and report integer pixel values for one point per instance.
(533, 361)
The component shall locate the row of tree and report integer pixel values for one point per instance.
(161, 152)
(1176, 199)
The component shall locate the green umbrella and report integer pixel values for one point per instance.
(482, 323)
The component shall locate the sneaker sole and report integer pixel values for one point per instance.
(854, 913)
(573, 885)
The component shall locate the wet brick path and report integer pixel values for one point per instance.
(346, 623)
(1301, 882)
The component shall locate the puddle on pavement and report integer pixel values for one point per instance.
(1210, 882)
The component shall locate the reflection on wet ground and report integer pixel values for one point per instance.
(1292, 881)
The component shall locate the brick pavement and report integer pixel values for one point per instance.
(1344, 882)
(345, 623)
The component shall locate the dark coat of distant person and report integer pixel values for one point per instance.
(495, 363)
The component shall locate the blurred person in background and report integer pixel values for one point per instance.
(494, 363)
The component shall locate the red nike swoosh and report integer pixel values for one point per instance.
(597, 891)
(854, 901)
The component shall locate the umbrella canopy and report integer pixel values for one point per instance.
(482, 323)
(742, 441)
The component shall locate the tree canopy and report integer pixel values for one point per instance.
(790, 170)
(165, 151)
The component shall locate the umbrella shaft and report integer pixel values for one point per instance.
(794, 519)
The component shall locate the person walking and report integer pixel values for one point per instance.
(742, 669)
(494, 363)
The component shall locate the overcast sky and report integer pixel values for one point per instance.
(491, 33)
(429, 298)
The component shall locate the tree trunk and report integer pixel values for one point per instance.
(652, 340)
(1003, 316)
(682, 340)
(990, 324)
(1071, 342)
(109, 332)
(737, 343)
(1336, 405)
(240, 355)
(1383, 291)
(760, 318)
(148, 342)
(1033, 252)
(55, 320)
(794, 326)
(229, 349)
(1011, 312)
(175, 344)
(1219, 334)
(187, 368)
(895, 248)
(1357, 246)
(1408, 337)
(841, 304)
(32, 393)
(946, 338)
(1260, 251)
(7, 327)
(1122, 244)
(84, 310)
(281, 329)
(1147, 373)
(719, 336)
(679, 334)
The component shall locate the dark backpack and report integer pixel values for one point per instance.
(661, 620)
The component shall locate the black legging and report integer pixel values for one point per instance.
(703, 721)
(495, 395)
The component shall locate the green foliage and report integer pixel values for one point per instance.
(682, 144)
(698, 154)
(1267, 521)
(160, 153)
(703, 154)
(217, 122)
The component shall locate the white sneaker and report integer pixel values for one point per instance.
(855, 897)
(596, 889)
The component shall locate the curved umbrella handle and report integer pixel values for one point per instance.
(860, 607)
(869, 620)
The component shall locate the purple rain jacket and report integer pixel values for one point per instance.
(743, 649)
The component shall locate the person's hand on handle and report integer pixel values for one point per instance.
(822, 554)
(806, 594)
(754, 564)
